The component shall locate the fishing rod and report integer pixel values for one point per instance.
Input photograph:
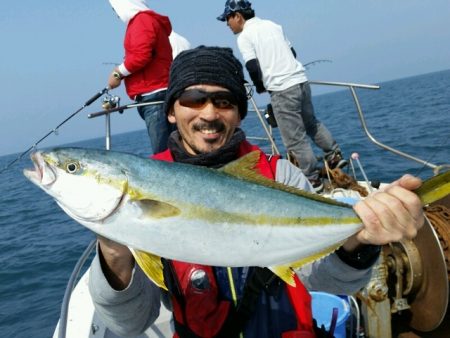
(120, 109)
(312, 63)
(55, 130)
(110, 105)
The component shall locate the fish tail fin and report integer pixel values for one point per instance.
(434, 188)
(151, 265)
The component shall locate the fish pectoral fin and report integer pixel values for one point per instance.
(151, 265)
(286, 272)
(156, 209)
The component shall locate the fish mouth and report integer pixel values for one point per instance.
(42, 174)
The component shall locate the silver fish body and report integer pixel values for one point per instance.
(190, 213)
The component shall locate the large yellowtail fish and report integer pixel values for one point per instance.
(228, 217)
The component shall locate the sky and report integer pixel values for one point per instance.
(55, 54)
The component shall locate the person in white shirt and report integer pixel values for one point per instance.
(179, 43)
(272, 65)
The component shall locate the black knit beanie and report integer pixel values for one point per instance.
(207, 65)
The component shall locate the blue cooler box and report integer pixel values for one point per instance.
(322, 310)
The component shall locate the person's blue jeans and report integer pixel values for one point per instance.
(294, 113)
(158, 127)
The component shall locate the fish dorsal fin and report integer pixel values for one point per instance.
(245, 168)
(286, 272)
(156, 209)
(151, 265)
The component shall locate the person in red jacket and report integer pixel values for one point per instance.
(145, 68)
(207, 100)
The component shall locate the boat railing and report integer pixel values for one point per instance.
(436, 168)
(269, 137)
(62, 328)
(351, 86)
(267, 128)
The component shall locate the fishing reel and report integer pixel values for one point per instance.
(270, 117)
(110, 101)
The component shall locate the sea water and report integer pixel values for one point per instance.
(40, 244)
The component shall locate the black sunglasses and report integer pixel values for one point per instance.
(196, 98)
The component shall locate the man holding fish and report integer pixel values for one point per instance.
(207, 100)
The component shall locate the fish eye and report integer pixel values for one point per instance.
(72, 167)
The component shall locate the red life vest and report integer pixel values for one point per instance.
(202, 312)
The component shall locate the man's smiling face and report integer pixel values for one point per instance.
(206, 128)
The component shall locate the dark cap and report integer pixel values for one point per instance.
(207, 65)
(232, 6)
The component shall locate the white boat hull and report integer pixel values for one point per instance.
(83, 321)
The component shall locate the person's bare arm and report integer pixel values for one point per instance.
(117, 263)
